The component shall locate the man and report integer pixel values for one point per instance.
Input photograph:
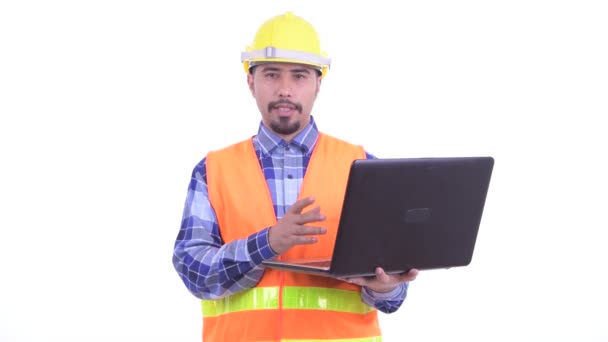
(278, 194)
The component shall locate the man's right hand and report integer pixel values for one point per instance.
(291, 230)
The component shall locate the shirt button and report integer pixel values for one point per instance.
(289, 176)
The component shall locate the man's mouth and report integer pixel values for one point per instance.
(284, 110)
(285, 107)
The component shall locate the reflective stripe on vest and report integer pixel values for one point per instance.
(310, 298)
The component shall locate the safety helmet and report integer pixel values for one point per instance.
(286, 38)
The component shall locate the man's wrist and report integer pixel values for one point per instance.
(259, 248)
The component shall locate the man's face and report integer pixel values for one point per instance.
(285, 94)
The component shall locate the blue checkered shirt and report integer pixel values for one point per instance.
(213, 269)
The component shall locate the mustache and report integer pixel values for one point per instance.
(285, 101)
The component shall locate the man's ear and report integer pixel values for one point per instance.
(250, 83)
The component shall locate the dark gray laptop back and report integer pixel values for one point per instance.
(411, 213)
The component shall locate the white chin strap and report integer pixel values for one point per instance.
(272, 52)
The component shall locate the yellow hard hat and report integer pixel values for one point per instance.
(286, 38)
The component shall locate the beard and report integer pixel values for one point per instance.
(284, 127)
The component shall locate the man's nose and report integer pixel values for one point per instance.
(285, 87)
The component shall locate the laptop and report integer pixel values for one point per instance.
(405, 213)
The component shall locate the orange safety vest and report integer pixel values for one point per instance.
(285, 306)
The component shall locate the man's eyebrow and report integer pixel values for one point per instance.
(303, 70)
(270, 68)
(296, 70)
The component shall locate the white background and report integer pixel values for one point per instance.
(106, 106)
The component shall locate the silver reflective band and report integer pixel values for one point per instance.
(272, 52)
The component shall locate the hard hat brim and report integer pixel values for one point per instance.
(271, 54)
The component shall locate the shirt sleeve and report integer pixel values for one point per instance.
(209, 268)
(386, 302)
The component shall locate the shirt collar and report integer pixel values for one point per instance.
(305, 140)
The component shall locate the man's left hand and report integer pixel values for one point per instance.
(383, 282)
